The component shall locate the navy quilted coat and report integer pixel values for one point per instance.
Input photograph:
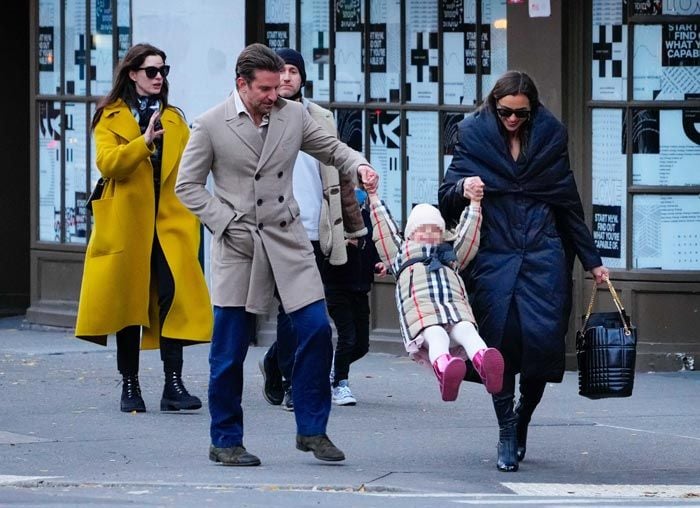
(533, 226)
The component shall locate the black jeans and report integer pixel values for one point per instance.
(129, 338)
(350, 313)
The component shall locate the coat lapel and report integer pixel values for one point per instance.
(172, 143)
(122, 122)
(243, 127)
(275, 131)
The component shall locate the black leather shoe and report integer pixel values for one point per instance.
(131, 400)
(322, 447)
(273, 391)
(234, 456)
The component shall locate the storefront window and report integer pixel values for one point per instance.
(645, 156)
(385, 50)
(385, 156)
(315, 48)
(65, 144)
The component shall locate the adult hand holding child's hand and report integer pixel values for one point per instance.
(473, 188)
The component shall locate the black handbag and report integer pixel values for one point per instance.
(96, 193)
(606, 351)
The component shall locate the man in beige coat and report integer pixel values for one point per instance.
(259, 247)
(330, 214)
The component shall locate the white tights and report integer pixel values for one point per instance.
(437, 340)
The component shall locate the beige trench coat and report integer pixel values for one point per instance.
(258, 239)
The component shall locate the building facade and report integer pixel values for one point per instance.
(623, 75)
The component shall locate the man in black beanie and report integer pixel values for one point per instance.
(329, 217)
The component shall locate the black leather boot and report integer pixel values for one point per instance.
(176, 396)
(131, 395)
(507, 439)
(530, 397)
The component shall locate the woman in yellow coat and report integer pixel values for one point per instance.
(141, 265)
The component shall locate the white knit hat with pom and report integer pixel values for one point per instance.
(423, 214)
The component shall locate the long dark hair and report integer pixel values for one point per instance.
(124, 87)
(514, 83)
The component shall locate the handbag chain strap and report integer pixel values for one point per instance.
(616, 300)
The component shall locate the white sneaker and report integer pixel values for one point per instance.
(342, 396)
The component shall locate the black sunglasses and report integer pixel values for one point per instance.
(151, 72)
(507, 112)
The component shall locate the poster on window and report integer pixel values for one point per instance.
(49, 172)
(350, 127)
(666, 146)
(666, 61)
(76, 48)
(422, 170)
(450, 136)
(385, 157)
(49, 46)
(349, 71)
(666, 232)
(385, 50)
(609, 51)
(101, 51)
(279, 24)
(494, 43)
(609, 192)
(123, 28)
(421, 52)
(315, 48)
(459, 51)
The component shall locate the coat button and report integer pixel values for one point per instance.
(257, 177)
(283, 223)
(260, 226)
(280, 199)
(279, 175)
(260, 202)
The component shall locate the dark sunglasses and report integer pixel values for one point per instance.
(507, 112)
(151, 72)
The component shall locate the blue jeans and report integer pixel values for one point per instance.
(233, 327)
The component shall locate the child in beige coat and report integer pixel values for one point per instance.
(436, 319)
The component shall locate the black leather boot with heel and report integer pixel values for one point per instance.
(175, 395)
(530, 397)
(507, 438)
(131, 395)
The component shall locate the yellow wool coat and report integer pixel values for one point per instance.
(117, 288)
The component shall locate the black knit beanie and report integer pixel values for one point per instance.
(292, 57)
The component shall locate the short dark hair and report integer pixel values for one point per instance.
(257, 57)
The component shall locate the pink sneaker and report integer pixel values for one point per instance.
(489, 364)
(450, 373)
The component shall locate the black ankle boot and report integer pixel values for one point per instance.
(176, 396)
(507, 439)
(131, 395)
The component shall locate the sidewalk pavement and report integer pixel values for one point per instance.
(60, 421)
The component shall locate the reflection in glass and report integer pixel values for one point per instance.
(422, 152)
(75, 193)
(49, 149)
(350, 124)
(280, 23)
(49, 47)
(349, 72)
(385, 50)
(101, 54)
(385, 157)
(666, 232)
(314, 48)
(421, 52)
(450, 135)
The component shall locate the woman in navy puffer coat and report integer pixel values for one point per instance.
(533, 225)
